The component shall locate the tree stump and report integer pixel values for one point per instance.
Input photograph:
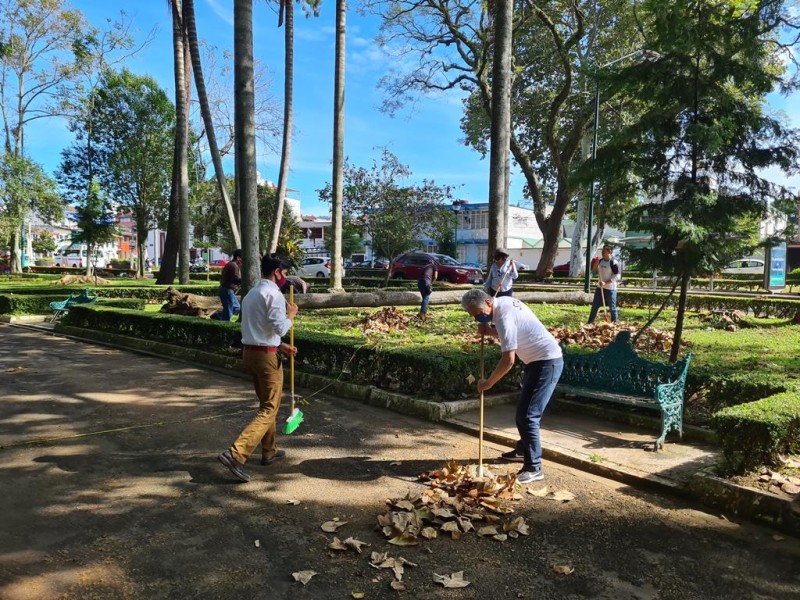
(190, 305)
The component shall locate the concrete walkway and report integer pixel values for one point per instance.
(622, 452)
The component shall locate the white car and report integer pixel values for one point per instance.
(752, 266)
(316, 266)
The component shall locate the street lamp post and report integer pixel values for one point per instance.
(640, 51)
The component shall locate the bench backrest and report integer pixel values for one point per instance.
(617, 368)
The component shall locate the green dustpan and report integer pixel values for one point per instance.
(294, 420)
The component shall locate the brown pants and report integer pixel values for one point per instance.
(265, 367)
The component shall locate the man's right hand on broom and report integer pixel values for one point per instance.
(288, 349)
(291, 310)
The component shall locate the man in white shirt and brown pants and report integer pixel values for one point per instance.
(266, 318)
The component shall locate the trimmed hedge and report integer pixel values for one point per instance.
(150, 292)
(19, 304)
(762, 306)
(757, 433)
(415, 371)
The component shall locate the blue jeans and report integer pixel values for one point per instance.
(424, 289)
(597, 302)
(495, 294)
(538, 382)
(230, 305)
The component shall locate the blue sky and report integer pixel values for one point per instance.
(427, 137)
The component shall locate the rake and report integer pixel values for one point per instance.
(296, 416)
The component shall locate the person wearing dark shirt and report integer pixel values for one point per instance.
(230, 279)
(427, 276)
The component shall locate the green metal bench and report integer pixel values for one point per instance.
(61, 307)
(617, 374)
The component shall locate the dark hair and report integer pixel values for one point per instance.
(236, 254)
(270, 262)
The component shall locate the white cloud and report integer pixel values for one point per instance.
(224, 13)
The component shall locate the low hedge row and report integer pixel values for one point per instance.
(758, 433)
(415, 371)
(151, 292)
(17, 304)
(764, 306)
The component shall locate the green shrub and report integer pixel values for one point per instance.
(757, 433)
(427, 371)
(768, 307)
(20, 304)
(150, 292)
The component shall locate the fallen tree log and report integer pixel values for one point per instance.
(190, 305)
(378, 299)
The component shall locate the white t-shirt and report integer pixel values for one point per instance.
(521, 331)
(264, 320)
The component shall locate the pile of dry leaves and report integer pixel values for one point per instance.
(599, 335)
(386, 320)
(81, 280)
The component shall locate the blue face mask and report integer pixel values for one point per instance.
(484, 319)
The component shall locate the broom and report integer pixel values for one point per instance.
(296, 416)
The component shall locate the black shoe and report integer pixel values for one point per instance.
(279, 455)
(512, 456)
(226, 458)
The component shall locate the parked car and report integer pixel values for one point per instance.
(474, 265)
(410, 264)
(316, 266)
(742, 266)
(372, 264)
(219, 262)
(198, 265)
(561, 268)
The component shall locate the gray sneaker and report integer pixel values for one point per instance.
(524, 477)
(226, 458)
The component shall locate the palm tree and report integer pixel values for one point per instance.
(205, 109)
(176, 244)
(286, 6)
(245, 132)
(501, 123)
(338, 146)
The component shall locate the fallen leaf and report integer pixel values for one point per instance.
(337, 544)
(258, 543)
(500, 537)
(564, 569)
(429, 533)
(471, 379)
(304, 576)
(778, 538)
(404, 505)
(450, 526)
(561, 496)
(541, 492)
(293, 502)
(517, 525)
(455, 580)
(487, 530)
(398, 571)
(404, 539)
(395, 463)
(357, 595)
(398, 585)
(332, 526)
(355, 544)
(378, 557)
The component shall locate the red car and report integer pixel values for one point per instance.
(219, 263)
(410, 265)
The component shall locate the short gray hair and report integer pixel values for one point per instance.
(474, 299)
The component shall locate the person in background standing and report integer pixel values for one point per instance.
(230, 279)
(608, 275)
(501, 275)
(427, 276)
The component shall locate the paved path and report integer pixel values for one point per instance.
(109, 488)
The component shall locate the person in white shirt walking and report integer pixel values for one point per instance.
(608, 275)
(522, 335)
(501, 274)
(266, 318)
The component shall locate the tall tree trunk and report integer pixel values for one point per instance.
(205, 109)
(577, 260)
(16, 250)
(338, 145)
(288, 100)
(501, 123)
(244, 119)
(182, 137)
(169, 258)
(676, 338)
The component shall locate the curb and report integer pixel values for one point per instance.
(703, 486)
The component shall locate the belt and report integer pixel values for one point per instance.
(261, 348)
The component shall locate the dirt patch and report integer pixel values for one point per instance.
(784, 481)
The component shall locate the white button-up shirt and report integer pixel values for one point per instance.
(264, 320)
